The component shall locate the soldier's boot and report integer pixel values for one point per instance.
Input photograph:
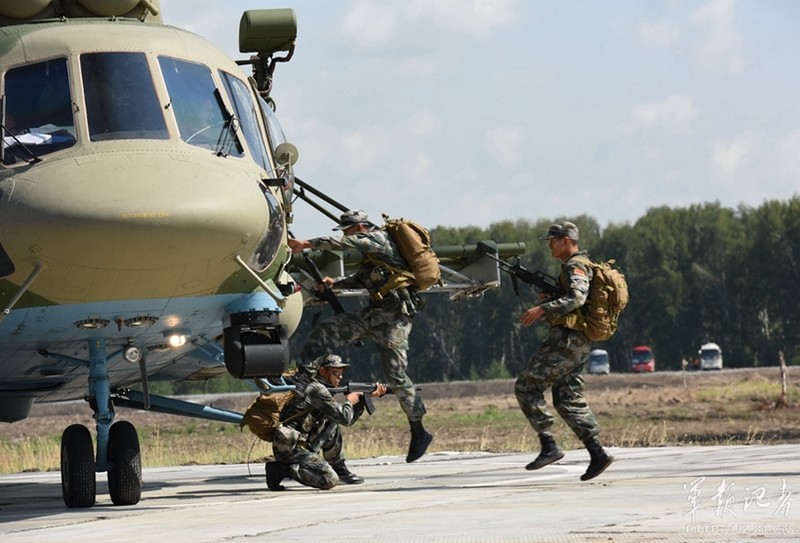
(550, 453)
(345, 475)
(276, 472)
(599, 459)
(420, 439)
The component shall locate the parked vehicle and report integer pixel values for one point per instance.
(643, 359)
(598, 362)
(710, 357)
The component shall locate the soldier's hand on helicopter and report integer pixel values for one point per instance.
(297, 245)
(532, 315)
(329, 282)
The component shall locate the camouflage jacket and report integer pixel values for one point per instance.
(376, 247)
(575, 279)
(314, 407)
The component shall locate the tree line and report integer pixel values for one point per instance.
(695, 274)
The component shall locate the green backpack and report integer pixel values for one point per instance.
(608, 297)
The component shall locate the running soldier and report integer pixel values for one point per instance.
(386, 320)
(558, 362)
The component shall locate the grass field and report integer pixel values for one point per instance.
(729, 407)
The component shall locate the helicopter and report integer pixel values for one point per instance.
(146, 197)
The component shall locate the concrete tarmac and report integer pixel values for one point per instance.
(676, 494)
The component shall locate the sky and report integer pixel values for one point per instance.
(471, 112)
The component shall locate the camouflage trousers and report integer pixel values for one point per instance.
(557, 364)
(389, 329)
(310, 467)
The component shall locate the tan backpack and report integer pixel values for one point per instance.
(414, 243)
(264, 414)
(608, 297)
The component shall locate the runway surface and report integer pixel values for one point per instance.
(681, 494)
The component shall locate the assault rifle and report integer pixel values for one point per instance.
(540, 281)
(367, 389)
(326, 293)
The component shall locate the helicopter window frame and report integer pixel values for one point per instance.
(120, 104)
(39, 109)
(246, 111)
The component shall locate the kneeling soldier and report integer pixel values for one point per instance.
(308, 445)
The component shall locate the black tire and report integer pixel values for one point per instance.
(78, 483)
(125, 464)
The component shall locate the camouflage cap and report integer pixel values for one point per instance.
(330, 361)
(352, 217)
(564, 230)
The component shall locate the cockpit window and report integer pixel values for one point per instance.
(276, 136)
(38, 111)
(121, 101)
(194, 100)
(248, 118)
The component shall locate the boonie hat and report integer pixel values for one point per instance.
(564, 230)
(351, 217)
(331, 361)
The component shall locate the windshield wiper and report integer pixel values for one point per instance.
(230, 129)
(33, 158)
(4, 131)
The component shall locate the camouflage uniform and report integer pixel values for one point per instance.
(310, 443)
(386, 320)
(558, 362)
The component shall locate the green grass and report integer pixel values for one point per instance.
(746, 390)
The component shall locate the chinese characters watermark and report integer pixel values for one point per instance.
(735, 508)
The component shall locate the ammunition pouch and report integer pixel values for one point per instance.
(398, 278)
(572, 321)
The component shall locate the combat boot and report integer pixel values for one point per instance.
(420, 439)
(600, 460)
(276, 472)
(550, 453)
(345, 475)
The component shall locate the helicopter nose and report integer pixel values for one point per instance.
(157, 220)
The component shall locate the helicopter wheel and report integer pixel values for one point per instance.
(78, 484)
(125, 460)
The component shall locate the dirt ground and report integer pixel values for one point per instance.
(740, 406)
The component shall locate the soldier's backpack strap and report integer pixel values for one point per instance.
(399, 278)
(574, 320)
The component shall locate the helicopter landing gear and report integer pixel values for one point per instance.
(118, 451)
(78, 485)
